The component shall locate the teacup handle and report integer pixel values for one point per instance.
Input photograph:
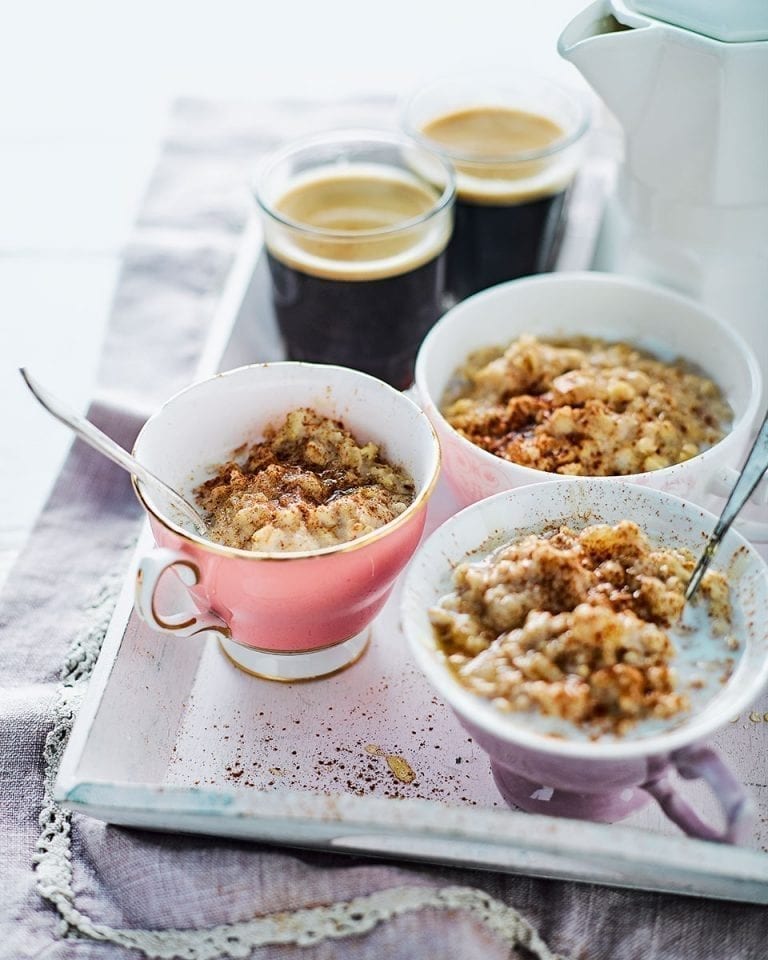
(702, 761)
(721, 484)
(151, 568)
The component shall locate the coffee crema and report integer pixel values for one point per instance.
(353, 226)
(499, 153)
(357, 265)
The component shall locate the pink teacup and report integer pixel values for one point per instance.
(609, 778)
(286, 616)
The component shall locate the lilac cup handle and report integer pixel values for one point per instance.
(703, 762)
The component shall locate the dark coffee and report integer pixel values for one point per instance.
(359, 287)
(491, 244)
(376, 326)
(509, 213)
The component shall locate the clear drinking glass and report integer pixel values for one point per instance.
(515, 143)
(356, 226)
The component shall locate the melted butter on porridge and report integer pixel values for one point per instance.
(309, 484)
(584, 407)
(577, 628)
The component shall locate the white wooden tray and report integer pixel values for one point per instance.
(171, 736)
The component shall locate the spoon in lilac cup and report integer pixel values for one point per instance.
(113, 451)
(751, 474)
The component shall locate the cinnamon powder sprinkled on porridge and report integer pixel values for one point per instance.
(573, 625)
(584, 407)
(307, 485)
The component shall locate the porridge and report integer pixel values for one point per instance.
(584, 407)
(309, 484)
(575, 626)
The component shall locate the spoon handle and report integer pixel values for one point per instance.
(751, 474)
(107, 446)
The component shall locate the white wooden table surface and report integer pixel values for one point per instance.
(84, 92)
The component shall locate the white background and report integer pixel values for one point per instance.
(84, 92)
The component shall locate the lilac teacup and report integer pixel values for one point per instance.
(568, 774)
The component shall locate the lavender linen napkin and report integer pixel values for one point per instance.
(125, 893)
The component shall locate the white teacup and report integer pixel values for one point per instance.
(613, 308)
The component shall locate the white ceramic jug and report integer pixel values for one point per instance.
(688, 81)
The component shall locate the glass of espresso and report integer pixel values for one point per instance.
(356, 226)
(515, 146)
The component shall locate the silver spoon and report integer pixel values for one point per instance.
(113, 451)
(751, 474)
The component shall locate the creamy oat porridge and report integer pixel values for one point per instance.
(584, 407)
(309, 484)
(575, 626)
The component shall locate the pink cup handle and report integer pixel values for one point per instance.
(702, 761)
(151, 569)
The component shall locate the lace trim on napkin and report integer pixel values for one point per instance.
(305, 927)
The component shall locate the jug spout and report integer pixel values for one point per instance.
(617, 57)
